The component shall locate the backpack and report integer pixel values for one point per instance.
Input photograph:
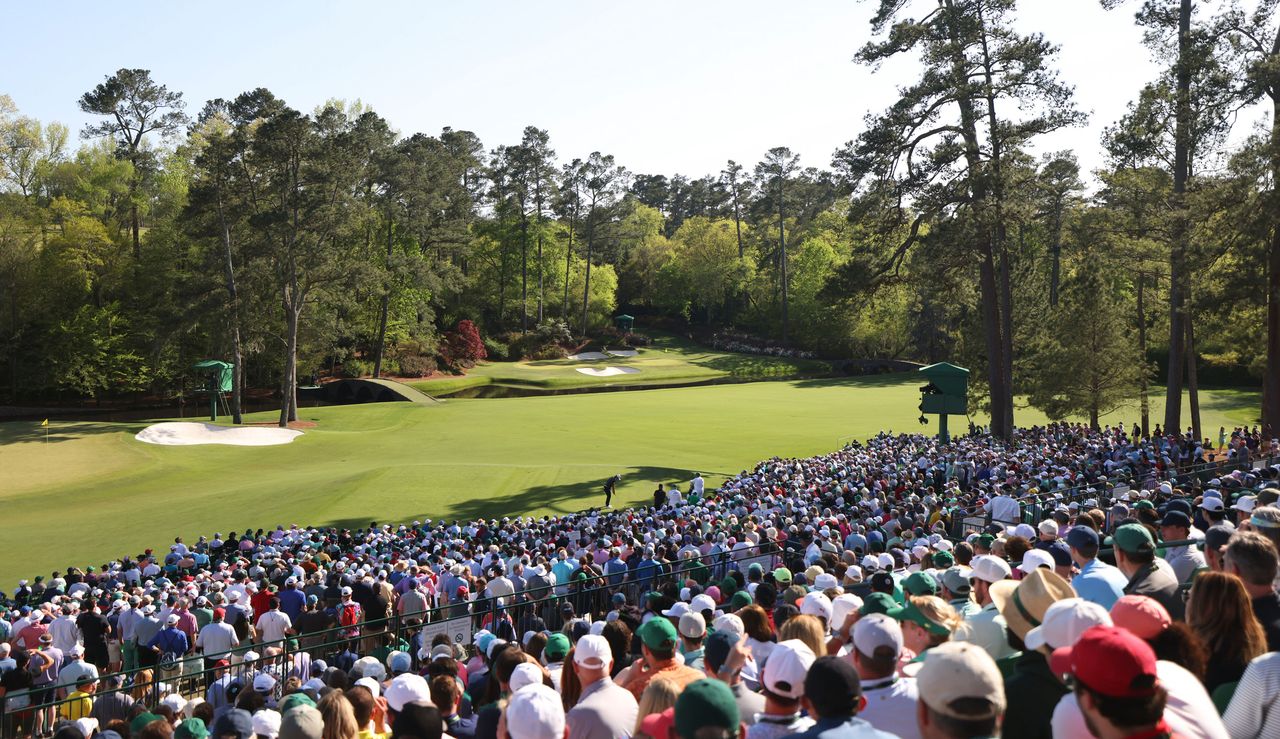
(349, 614)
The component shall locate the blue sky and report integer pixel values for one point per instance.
(664, 86)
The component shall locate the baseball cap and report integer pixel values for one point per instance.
(693, 626)
(558, 646)
(785, 670)
(1049, 526)
(406, 688)
(1142, 616)
(702, 602)
(657, 633)
(171, 619)
(301, 722)
(1081, 537)
(263, 682)
(782, 574)
(1034, 559)
(841, 606)
(882, 582)
(1176, 518)
(956, 579)
(703, 704)
(593, 651)
(909, 611)
(192, 728)
(1065, 621)
(875, 631)
(677, 609)
(266, 723)
(1246, 503)
(536, 713)
(1109, 660)
(237, 722)
(1134, 538)
(816, 604)
(832, 685)
(730, 622)
(1211, 504)
(920, 583)
(989, 568)
(877, 603)
(958, 670)
(524, 675)
(658, 724)
(717, 648)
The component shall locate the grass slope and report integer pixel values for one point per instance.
(671, 359)
(93, 492)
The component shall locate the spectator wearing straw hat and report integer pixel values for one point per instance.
(1031, 689)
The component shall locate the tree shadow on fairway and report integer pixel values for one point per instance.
(889, 380)
(556, 499)
(31, 431)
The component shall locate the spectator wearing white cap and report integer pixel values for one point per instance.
(891, 700)
(782, 678)
(75, 669)
(266, 724)
(603, 710)
(961, 693)
(987, 628)
(693, 631)
(534, 713)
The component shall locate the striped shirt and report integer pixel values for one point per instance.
(1253, 711)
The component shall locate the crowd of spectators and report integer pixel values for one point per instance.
(1066, 583)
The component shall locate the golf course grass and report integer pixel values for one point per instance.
(671, 359)
(92, 492)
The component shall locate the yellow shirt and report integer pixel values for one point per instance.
(78, 706)
(369, 733)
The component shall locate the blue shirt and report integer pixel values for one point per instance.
(841, 728)
(1099, 582)
(616, 569)
(170, 639)
(292, 603)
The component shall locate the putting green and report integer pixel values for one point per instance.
(670, 360)
(93, 492)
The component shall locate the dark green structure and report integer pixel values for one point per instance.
(624, 322)
(217, 381)
(946, 394)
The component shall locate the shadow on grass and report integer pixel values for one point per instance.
(559, 499)
(31, 431)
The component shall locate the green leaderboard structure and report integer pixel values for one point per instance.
(217, 376)
(946, 394)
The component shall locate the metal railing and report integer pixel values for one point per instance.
(192, 675)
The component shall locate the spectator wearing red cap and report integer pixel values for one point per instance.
(1115, 665)
(1114, 680)
(216, 639)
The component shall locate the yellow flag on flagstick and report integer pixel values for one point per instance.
(45, 422)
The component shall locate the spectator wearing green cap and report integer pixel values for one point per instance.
(658, 644)
(1135, 551)
(706, 710)
(553, 655)
(927, 621)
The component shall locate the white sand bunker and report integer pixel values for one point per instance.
(185, 433)
(607, 371)
(587, 356)
(623, 353)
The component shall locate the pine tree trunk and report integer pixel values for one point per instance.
(524, 272)
(288, 395)
(1144, 383)
(1271, 376)
(782, 247)
(233, 300)
(1193, 387)
(384, 309)
(1177, 254)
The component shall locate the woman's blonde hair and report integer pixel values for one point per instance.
(339, 716)
(939, 612)
(659, 695)
(1225, 623)
(807, 629)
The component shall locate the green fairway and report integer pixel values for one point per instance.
(94, 492)
(670, 360)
